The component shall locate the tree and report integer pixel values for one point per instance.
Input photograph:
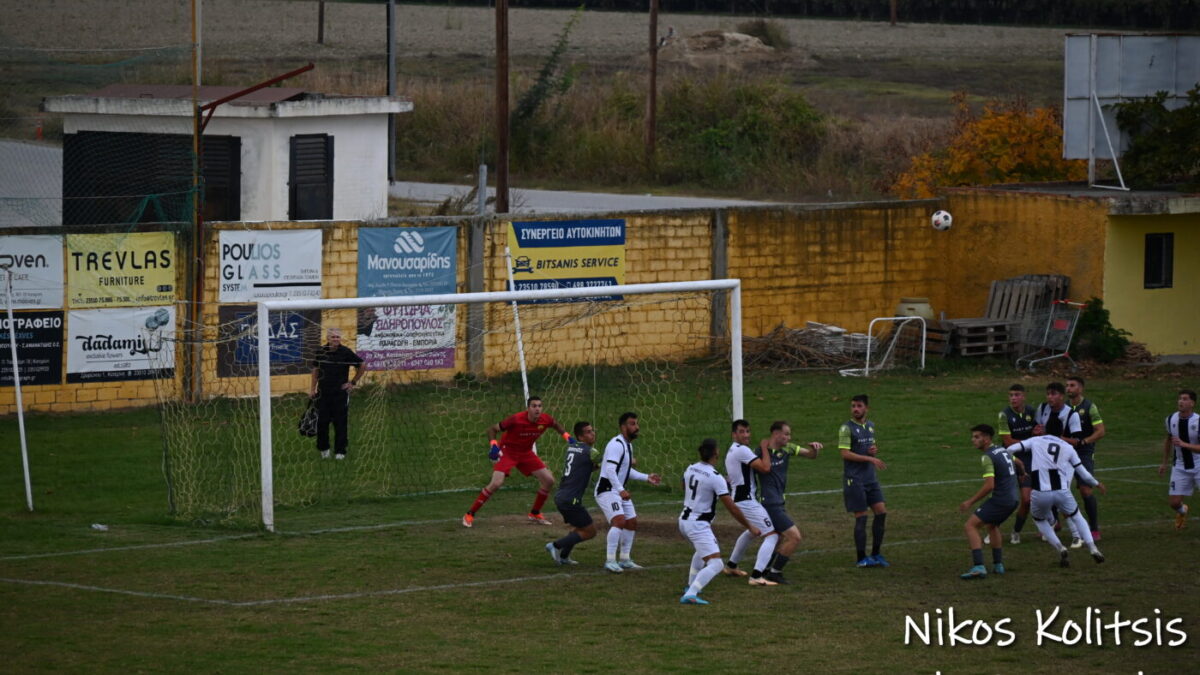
(1007, 143)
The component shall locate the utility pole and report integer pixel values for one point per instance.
(652, 95)
(320, 22)
(501, 106)
(391, 90)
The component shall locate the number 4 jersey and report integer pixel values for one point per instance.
(702, 485)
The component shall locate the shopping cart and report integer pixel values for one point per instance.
(1050, 330)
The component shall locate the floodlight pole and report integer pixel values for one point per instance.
(16, 371)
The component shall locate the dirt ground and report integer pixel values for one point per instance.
(272, 29)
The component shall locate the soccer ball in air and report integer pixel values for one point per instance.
(941, 220)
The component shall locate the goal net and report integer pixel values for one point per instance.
(439, 371)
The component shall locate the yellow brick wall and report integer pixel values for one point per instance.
(999, 234)
(842, 266)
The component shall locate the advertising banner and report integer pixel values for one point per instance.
(36, 262)
(567, 254)
(39, 348)
(295, 338)
(113, 270)
(269, 265)
(407, 261)
(107, 345)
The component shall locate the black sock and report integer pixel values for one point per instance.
(860, 537)
(1020, 523)
(731, 565)
(777, 562)
(877, 526)
(1090, 505)
(566, 543)
(997, 556)
(977, 556)
(755, 574)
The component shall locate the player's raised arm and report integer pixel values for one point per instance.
(738, 515)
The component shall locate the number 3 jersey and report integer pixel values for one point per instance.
(1054, 461)
(702, 485)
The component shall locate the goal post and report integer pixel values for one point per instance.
(557, 296)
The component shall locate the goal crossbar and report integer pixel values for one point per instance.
(733, 286)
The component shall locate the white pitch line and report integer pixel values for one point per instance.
(409, 523)
(456, 586)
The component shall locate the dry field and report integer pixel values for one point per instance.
(457, 42)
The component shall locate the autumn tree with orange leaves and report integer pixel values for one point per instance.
(1007, 143)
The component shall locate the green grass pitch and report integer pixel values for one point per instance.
(399, 585)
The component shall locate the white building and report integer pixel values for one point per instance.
(274, 154)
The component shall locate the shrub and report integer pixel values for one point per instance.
(1007, 143)
(1164, 145)
(1095, 336)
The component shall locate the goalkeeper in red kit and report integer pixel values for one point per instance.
(515, 450)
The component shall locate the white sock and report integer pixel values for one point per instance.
(712, 569)
(1182, 508)
(614, 538)
(765, 551)
(626, 543)
(1075, 528)
(1079, 523)
(696, 566)
(1047, 529)
(740, 546)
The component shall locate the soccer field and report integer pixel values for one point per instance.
(398, 584)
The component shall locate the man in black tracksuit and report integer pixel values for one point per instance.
(331, 385)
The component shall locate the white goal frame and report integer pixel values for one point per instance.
(734, 286)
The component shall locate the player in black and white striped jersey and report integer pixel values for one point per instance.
(1053, 463)
(703, 485)
(741, 465)
(1183, 441)
(1055, 418)
(616, 469)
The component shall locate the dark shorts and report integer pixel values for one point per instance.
(995, 513)
(779, 517)
(860, 496)
(1088, 459)
(574, 515)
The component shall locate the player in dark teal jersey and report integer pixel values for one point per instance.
(1016, 424)
(1000, 472)
(1092, 429)
(581, 460)
(860, 487)
(772, 491)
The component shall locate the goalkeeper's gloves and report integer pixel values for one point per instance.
(494, 450)
(568, 438)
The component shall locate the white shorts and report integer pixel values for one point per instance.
(612, 505)
(700, 533)
(1043, 500)
(757, 515)
(1183, 481)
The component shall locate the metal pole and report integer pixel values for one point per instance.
(501, 106)
(266, 466)
(391, 89)
(320, 22)
(735, 350)
(481, 191)
(12, 343)
(191, 369)
(652, 94)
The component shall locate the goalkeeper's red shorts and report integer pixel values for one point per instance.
(525, 462)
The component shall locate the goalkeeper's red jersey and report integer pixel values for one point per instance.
(520, 434)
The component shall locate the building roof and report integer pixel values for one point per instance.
(207, 92)
(1120, 202)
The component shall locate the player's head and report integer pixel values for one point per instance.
(1074, 387)
(781, 433)
(1055, 391)
(334, 336)
(584, 433)
(859, 405)
(1187, 401)
(708, 451)
(1016, 396)
(629, 425)
(741, 431)
(981, 436)
(533, 406)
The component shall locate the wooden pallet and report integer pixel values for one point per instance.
(978, 337)
(1018, 296)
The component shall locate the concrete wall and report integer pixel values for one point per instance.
(359, 155)
(1166, 319)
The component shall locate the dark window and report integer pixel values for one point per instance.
(310, 178)
(1160, 260)
(119, 177)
